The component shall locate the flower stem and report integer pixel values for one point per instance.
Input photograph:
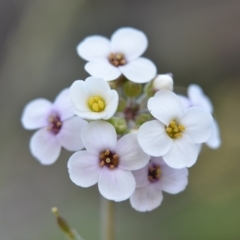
(107, 219)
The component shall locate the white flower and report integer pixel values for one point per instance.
(154, 178)
(58, 127)
(121, 55)
(175, 132)
(163, 82)
(196, 97)
(93, 99)
(107, 161)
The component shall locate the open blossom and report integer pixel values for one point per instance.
(163, 82)
(109, 59)
(196, 97)
(175, 132)
(154, 178)
(58, 127)
(107, 161)
(93, 99)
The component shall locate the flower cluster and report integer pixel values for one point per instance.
(132, 135)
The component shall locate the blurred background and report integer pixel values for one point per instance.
(197, 41)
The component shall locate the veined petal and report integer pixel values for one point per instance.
(198, 124)
(214, 141)
(84, 168)
(141, 176)
(102, 68)
(98, 136)
(131, 156)
(140, 70)
(129, 41)
(165, 106)
(35, 114)
(94, 47)
(183, 153)
(70, 134)
(45, 147)
(153, 138)
(63, 104)
(146, 198)
(117, 184)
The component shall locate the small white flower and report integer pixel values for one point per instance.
(175, 133)
(121, 55)
(93, 99)
(163, 82)
(196, 97)
(154, 178)
(58, 127)
(107, 161)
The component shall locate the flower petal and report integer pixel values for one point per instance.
(214, 141)
(45, 147)
(84, 168)
(102, 69)
(131, 156)
(70, 134)
(63, 104)
(185, 101)
(94, 47)
(140, 70)
(117, 184)
(165, 106)
(35, 114)
(98, 136)
(198, 124)
(183, 153)
(111, 105)
(129, 41)
(153, 138)
(146, 198)
(141, 176)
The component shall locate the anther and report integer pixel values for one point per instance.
(102, 163)
(112, 166)
(107, 152)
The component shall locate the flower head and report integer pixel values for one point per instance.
(174, 133)
(107, 161)
(154, 178)
(93, 99)
(121, 55)
(58, 127)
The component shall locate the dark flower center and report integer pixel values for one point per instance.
(109, 159)
(117, 59)
(154, 173)
(55, 123)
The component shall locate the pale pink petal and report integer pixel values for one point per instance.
(165, 106)
(116, 184)
(153, 138)
(70, 134)
(183, 153)
(45, 147)
(141, 176)
(35, 114)
(198, 124)
(185, 101)
(103, 69)
(84, 168)
(214, 141)
(129, 41)
(146, 198)
(63, 104)
(140, 70)
(98, 136)
(131, 156)
(94, 47)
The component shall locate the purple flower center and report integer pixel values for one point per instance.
(109, 159)
(117, 59)
(55, 123)
(154, 173)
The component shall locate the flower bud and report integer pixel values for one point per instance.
(142, 118)
(163, 81)
(132, 89)
(119, 124)
(121, 104)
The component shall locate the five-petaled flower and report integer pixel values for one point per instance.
(121, 55)
(154, 178)
(107, 161)
(58, 127)
(175, 132)
(93, 99)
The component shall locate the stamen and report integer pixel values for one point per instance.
(174, 130)
(96, 104)
(109, 159)
(117, 59)
(154, 173)
(55, 123)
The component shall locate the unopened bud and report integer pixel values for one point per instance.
(142, 118)
(163, 82)
(119, 124)
(121, 104)
(132, 89)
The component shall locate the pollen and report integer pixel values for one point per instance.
(117, 59)
(55, 123)
(174, 130)
(96, 104)
(109, 159)
(154, 173)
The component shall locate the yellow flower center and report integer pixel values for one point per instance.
(97, 104)
(174, 130)
(117, 59)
